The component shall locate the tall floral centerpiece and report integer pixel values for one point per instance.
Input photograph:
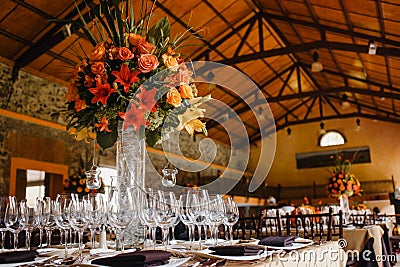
(132, 87)
(343, 184)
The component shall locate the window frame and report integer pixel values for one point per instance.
(331, 131)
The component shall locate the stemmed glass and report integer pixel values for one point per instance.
(61, 213)
(198, 208)
(78, 218)
(3, 227)
(95, 206)
(166, 212)
(31, 224)
(184, 216)
(16, 217)
(147, 213)
(121, 212)
(42, 219)
(50, 222)
(216, 215)
(231, 215)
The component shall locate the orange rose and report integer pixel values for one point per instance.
(79, 189)
(186, 91)
(98, 52)
(340, 175)
(144, 47)
(97, 67)
(342, 188)
(174, 98)
(87, 190)
(135, 39)
(147, 63)
(124, 53)
(88, 81)
(170, 61)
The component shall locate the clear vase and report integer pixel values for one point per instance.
(130, 162)
(344, 206)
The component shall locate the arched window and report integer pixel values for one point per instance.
(331, 138)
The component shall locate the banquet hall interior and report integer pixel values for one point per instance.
(296, 123)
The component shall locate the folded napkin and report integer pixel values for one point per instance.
(18, 256)
(236, 250)
(278, 241)
(136, 259)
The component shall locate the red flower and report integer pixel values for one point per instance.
(146, 98)
(134, 117)
(101, 92)
(125, 77)
(103, 125)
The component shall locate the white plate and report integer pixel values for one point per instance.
(209, 253)
(295, 245)
(174, 262)
(38, 260)
(48, 252)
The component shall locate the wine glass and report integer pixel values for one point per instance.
(184, 216)
(50, 222)
(147, 212)
(121, 212)
(3, 227)
(166, 212)
(61, 213)
(95, 207)
(31, 224)
(198, 208)
(78, 218)
(216, 215)
(42, 219)
(231, 215)
(16, 217)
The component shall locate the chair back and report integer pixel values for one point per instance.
(270, 225)
(358, 220)
(247, 228)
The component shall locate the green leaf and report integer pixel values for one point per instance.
(118, 17)
(106, 140)
(106, 10)
(152, 138)
(159, 32)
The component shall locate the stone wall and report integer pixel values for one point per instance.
(41, 99)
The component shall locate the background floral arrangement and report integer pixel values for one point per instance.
(342, 182)
(110, 83)
(76, 182)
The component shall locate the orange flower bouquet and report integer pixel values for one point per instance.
(342, 182)
(111, 82)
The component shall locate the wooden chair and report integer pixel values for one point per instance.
(270, 225)
(318, 227)
(358, 220)
(247, 228)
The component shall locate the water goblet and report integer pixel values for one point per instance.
(3, 227)
(216, 215)
(31, 224)
(61, 213)
(185, 219)
(78, 218)
(15, 218)
(231, 215)
(50, 222)
(95, 206)
(166, 212)
(146, 214)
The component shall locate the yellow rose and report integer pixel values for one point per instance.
(194, 125)
(170, 62)
(186, 91)
(98, 52)
(174, 98)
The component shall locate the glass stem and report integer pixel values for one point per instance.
(205, 232)
(66, 243)
(15, 241)
(173, 233)
(80, 239)
(190, 236)
(70, 237)
(199, 228)
(48, 233)
(41, 237)
(3, 240)
(216, 235)
(153, 237)
(165, 237)
(28, 240)
(93, 237)
(193, 235)
(231, 233)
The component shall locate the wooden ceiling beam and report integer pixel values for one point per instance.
(332, 29)
(382, 51)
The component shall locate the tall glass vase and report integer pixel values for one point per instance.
(130, 162)
(344, 206)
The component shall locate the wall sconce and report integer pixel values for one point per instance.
(372, 47)
(289, 132)
(358, 122)
(322, 128)
(345, 102)
(316, 66)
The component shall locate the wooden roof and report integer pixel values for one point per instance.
(270, 41)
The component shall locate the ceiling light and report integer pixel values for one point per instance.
(345, 102)
(322, 128)
(316, 66)
(358, 122)
(372, 47)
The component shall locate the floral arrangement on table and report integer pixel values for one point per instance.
(342, 182)
(76, 182)
(111, 82)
